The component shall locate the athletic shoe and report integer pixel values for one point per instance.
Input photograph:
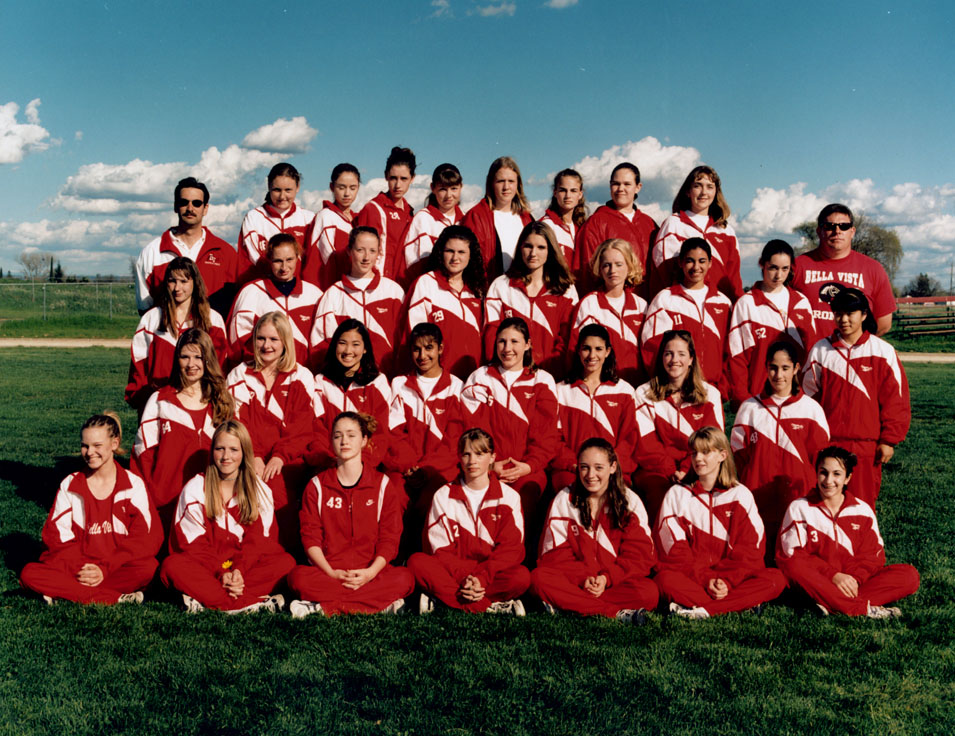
(695, 613)
(637, 617)
(883, 612)
(394, 606)
(425, 604)
(301, 609)
(823, 611)
(49, 600)
(513, 607)
(548, 608)
(191, 604)
(136, 597)
(274, 603)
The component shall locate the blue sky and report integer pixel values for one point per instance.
(104, 106)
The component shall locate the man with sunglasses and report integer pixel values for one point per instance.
(819, 273)
(215, 258)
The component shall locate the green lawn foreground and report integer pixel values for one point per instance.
(153, 669)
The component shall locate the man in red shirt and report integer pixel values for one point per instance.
(834, 262)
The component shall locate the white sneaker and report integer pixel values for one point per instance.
(884, 612)
(394, 606)
(274, 603)
(301, 609)
(136, 597)
(695, 613)
(513, 607)
(425, 604)
(191, 604)
(635, 616)
(548, 608)
(48, 599)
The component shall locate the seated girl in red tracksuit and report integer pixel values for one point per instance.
(776, 437)
(860, 383)
(710, 538)
(102, 534)
(596, 552)
(830, 546)
(594, 402)
(351, 524)
(224, 545)
(475, 534)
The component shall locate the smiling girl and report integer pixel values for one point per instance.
(596, 552)
(699, 211)
(694, 306)
(224, 550)
(278, 214)
(710, 539)
(830, 547)
(102, 533)
(770, 311)
(183, 304)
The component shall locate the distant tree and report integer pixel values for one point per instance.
(872, 240)
(922, 285)
(51, 269)
(58, 273)
(33, 262)
(1, 273)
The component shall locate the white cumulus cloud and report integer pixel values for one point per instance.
(496, 9)
(774, 211)
(283, 136)
(19, 139)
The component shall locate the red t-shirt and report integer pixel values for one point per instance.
(815, 276)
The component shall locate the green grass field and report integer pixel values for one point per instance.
(71, 310)
(153, 669)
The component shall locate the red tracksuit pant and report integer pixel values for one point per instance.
(890, 583)
(435, 579)
(311, 584)
(560, 586)
(57, 582)
(194, 578)
(760, 587)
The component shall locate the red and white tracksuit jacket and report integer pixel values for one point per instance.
(378, 306)
(548, 317)
(815, 544)
(153, 350)
(480, 218)
(281, 420)
(257, 229)
(570, 552)
(606, 223)
(624, 328)
(172, 445)
(261, 297)
(565, 233)
(664, 427)
(217, 261)
(352, 526)
(373, 399)
(755, 324)
(203, 549)
(610, 413)
(675, 309)
(120, 534)
(326, 255)
(864, 392)
(775, 447)
(392, 223)
(724, 273)
(522, 419)
(460, 315)
(425, 431)
(701, 535)
(425, 228)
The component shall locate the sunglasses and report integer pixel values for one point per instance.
(831, 227)
(197, 203)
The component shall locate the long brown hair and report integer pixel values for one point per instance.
(579, 215)
(693, 390)
(706, 439)
(246, 483)
(617, 507)
(719, 211)
(557, 278)
(198, 304)
(214, 389)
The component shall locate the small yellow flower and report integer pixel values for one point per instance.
(227, 564)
